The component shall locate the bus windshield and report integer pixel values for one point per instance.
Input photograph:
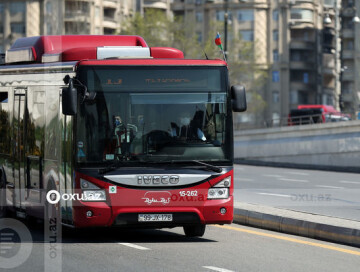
(154, 114)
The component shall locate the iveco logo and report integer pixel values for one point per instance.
(157, 180)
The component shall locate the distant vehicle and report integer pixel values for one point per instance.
(313, 114)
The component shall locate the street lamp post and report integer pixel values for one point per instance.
(226, 17)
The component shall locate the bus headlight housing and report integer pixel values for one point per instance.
(220, 189)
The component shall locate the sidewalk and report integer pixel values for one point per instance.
(298, 223)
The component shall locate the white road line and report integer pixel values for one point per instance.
(217, 269)
(244, 179)
(297, 173)
(134, 246)
(329, 187)
(294, 180)
(349, 182)
(271, 176)
(281, 195)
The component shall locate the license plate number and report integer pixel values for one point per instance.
(155, 218)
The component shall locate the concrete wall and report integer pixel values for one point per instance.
(331, 145)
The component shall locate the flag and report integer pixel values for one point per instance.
(218, 41)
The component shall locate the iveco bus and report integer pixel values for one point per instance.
(119, 133)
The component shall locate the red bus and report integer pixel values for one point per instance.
(106, 131)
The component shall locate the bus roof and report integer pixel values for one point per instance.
(63, 48)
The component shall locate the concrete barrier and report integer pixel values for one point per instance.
(330, 146)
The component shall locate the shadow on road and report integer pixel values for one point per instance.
(112, 235)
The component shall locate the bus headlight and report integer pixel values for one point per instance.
(98, 195)
(220, 189)
(218, 193)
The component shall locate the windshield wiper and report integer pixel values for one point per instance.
(209, 166)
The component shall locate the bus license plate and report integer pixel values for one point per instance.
(155, 217)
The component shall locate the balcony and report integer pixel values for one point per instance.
(348, 54)
(110, 4)
(302, 65)
(300, 86)
(348, 75)
(348, 12)
(156, 4)
(348, 33)
(298, 44)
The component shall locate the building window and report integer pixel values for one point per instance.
(275, 97)
(275, 55)
(275, 35)
(247, 35)
(3, 97)
(49, 30)
(302, 14)
(199, 17)
(245, 15)
(220, 15)
(1, 8)
(97, 12)
(294, 97)
(18, 28)
(49, 8)
(306, 78)
(199, 36)
(275, 76)
(275, 15)
(1, 49)
(17, 7)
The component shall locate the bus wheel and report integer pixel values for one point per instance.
(2, 197)
(195, 230)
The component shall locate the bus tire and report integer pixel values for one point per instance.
(194, 230)
(3, 210)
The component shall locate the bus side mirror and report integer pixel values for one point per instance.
(238, 98)
(69, 99)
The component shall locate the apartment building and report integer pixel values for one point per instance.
(297, 41)
(19, 18)
(96, 16)
(350, 54)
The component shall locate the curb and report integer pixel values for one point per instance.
(313, 226)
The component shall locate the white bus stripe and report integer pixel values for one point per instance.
(217, 269)
(134, 246)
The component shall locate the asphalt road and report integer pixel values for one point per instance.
(320, 192)
(227, 248)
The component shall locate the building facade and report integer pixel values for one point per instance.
(350, 57)
(297, 41)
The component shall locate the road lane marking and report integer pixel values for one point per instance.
(329, 187)
(244, 179)
(280, 195)
(134, 246)
(271, 176)
(217, 269)
(349, 182)
(348, 251)
(297, 173)
(294, 180)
